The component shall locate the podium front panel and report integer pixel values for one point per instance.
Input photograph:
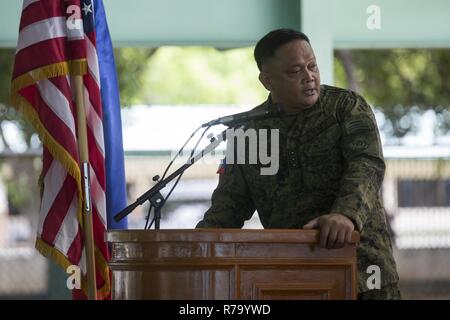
(229, 264)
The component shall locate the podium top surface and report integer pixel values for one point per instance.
(219, 235)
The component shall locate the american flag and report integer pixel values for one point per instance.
(56, 41)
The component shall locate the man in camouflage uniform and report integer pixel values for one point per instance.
(331, 164)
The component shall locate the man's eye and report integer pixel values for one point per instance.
(313, 66)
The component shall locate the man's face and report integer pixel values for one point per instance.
(292, 76)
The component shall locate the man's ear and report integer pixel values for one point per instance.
(265, 80)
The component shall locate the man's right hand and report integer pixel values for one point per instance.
(335, 229)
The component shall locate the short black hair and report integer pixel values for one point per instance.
(267, 45)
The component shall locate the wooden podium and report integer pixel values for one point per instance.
(229, 264)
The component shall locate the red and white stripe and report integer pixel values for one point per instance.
(43, 40)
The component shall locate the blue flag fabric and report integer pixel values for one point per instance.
(116, 198)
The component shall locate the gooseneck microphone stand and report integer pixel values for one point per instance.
(154, 196)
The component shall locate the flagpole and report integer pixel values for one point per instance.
(84, 166)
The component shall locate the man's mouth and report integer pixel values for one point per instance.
(309, 92)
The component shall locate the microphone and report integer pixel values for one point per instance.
(272, 111)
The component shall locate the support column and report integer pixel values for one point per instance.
(316, 23)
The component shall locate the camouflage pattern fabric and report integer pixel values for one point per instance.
(389, 292)
(330, 160)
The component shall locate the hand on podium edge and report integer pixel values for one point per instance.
(335, 230)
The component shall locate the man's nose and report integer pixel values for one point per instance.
(308, 76)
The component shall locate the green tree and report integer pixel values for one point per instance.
(392, 80)
(7, 113)
(132, 65)
(199, 75)
(398, 80)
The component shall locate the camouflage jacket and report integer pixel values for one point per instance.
(330, 159)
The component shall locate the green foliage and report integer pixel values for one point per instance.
(6, 67)
(132, 65)
(340, 79)
(399, 79)
(18, 190)
(392, 80)
(196, 75)
(188, 75)
(405, 77)
(7, 112)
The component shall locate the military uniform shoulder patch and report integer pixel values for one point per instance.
(359, 124)
(359, 144)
